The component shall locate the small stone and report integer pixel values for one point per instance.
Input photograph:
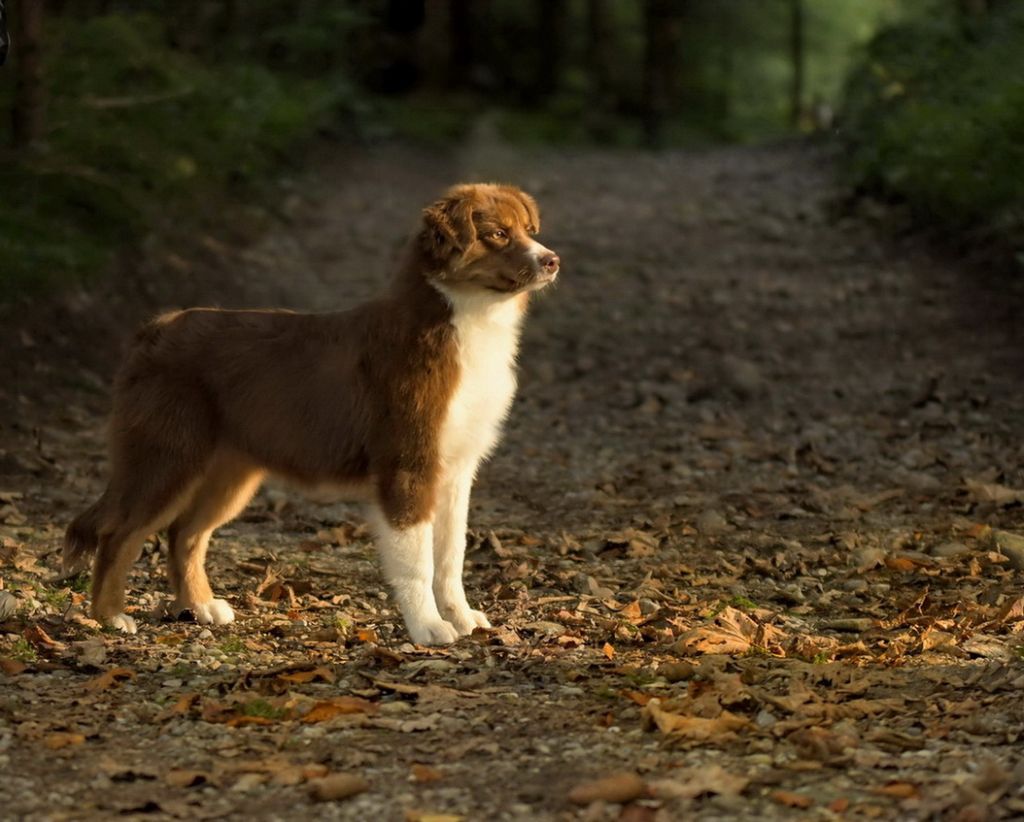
(620, 787)
(546, 628)
(8, 605)
(206, 633)
(677, 671)
(711, 522)
(337, 786)
(648, 607)
(1010, 546)
(396, 708)
(949, 549)
(765, 719)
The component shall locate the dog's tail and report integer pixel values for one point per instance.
(82, 537)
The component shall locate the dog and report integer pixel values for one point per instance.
(395, 402)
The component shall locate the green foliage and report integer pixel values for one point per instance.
(935, 117)
(139, 133)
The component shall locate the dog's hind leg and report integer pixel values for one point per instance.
(138, 510)
(226, 489)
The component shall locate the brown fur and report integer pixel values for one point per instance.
(209, 401)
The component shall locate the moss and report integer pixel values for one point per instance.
(139, 135)
(934, 115)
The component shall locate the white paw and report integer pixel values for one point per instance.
(121, 622)
(433, 632)
(214, 612)
(466, 620)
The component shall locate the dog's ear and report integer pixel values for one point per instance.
(533, 226)
(449, 228)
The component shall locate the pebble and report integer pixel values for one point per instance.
(546, 628)
(8, 605)
(337, 786)
(711, 522)
(949, 549)
(1010, 546)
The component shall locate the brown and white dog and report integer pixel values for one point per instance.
(396, 401)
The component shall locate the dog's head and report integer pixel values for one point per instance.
(479, 237)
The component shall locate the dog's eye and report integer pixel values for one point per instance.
(499, 234)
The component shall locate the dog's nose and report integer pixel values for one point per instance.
(550, 263)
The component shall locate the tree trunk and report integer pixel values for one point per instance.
(600, 51)
(461, 51)
(552, 27)
(5, 40)
(27, 111)
(796, 57)
(662, 34)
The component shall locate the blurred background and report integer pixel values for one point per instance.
(120, 116)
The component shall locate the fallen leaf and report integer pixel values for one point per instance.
(302, 677)
(792, 800)
(11, 667)
(109, 679)
(180, 708)
(693, 782)
(693, 727)
(61, 739)
(337, 706)
(179, 778)
(731, 632)
(608, 651)
(38, 637)
(426, 773)
(620, 787)
(899, 790)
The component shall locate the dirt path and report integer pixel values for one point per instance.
(755, 532)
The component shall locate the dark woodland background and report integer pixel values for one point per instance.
(122, 117)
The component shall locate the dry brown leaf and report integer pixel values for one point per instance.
(899, 790)
(693, 727)
(38, 637)
(689, 783)
(109, 679)
(731, 632)
(180, 708)
(901, 564)
(426, 816)
(791, 799)
(608, 651)
(426, 773)
(11, 667)
(181, 778)
(337, 706)
(302, 677)
(62, 739)
(619, 787)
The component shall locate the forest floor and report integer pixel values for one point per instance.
(753, 543)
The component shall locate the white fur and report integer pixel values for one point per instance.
(408, 562)
(487, 327)
(214, 612)
(424, 563)
(122, 622)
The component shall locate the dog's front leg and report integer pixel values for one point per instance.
(408, 562)
(450, 552)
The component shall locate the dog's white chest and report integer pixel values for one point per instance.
(488, 336)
